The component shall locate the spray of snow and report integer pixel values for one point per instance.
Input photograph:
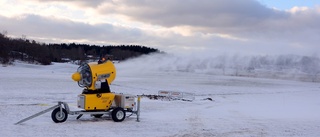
(294, 67)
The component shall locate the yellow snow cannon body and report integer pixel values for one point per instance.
(95, 102)
(95, 78)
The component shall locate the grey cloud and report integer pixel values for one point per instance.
(37, 26)
(206, 13)
(247, 19)
(55, 30)
(51, 28)
(239, 18)
(82, 3)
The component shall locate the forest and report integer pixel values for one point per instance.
(34, 52)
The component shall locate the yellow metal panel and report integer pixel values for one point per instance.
(105, 69)
(100, 101)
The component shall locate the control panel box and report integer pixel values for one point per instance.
(125, 101)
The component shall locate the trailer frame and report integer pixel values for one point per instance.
(64, 110)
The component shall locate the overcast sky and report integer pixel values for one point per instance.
(175, 26)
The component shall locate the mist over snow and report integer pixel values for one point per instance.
(291, 67)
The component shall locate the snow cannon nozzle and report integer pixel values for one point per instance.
(76, 76)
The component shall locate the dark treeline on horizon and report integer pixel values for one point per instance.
(32, 51)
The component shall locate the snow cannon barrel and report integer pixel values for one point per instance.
(91, 75)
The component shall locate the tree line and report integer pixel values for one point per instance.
(34, 52)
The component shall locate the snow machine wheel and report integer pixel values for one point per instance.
(97, 115)
(118, 114)
(58, 117)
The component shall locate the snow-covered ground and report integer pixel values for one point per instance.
(240, 107)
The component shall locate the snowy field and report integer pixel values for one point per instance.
(241, 107)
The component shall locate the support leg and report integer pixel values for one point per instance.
(38, 114)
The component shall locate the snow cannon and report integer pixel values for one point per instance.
(95, 76)
(96, 98)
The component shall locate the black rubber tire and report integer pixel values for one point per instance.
(118, 114)
(97, 115)
(55, 115)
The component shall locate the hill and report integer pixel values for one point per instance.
(35, 52)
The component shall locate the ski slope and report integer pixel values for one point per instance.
(241, 106)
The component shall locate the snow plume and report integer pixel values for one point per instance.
(305, 68)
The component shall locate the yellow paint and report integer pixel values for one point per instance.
(76, 76)
(102, 69)
(100, 101)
